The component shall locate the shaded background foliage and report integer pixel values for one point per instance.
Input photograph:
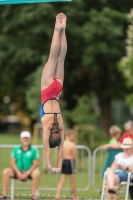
(96, 32)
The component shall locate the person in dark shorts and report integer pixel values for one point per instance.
(24, 163)
(68, 166)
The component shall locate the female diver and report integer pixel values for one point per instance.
(51, 87)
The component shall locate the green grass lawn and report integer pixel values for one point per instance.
(49, 181)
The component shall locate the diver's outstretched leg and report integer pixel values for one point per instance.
(59, 73)
(48, 73)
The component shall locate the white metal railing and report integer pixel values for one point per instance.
(83, 167)
(89, 168)
(98, 160)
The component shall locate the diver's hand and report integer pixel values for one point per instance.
(55, 170)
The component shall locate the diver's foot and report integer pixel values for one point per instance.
(58, 24)
(63, 20)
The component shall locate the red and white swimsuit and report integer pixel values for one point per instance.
(50, 93)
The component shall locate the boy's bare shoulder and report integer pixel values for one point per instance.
(73, 144)
(70, 143)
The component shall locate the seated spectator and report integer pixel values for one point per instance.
(24, 163)
(128, 134)
(68, 165)
(122, 164)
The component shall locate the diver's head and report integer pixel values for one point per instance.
(54, 139)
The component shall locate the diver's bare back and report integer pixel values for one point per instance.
(51, 106)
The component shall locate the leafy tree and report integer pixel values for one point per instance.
(33, 93)
(100, 39)
(95, 33)
(83, 113)
(23, 40)
(126, 63)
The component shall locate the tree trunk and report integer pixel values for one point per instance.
(106, 115)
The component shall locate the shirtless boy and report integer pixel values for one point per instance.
(68, 166)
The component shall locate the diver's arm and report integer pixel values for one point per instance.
(46, 136)
(60, 151)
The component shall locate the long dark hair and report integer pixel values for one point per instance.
(55, 137)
